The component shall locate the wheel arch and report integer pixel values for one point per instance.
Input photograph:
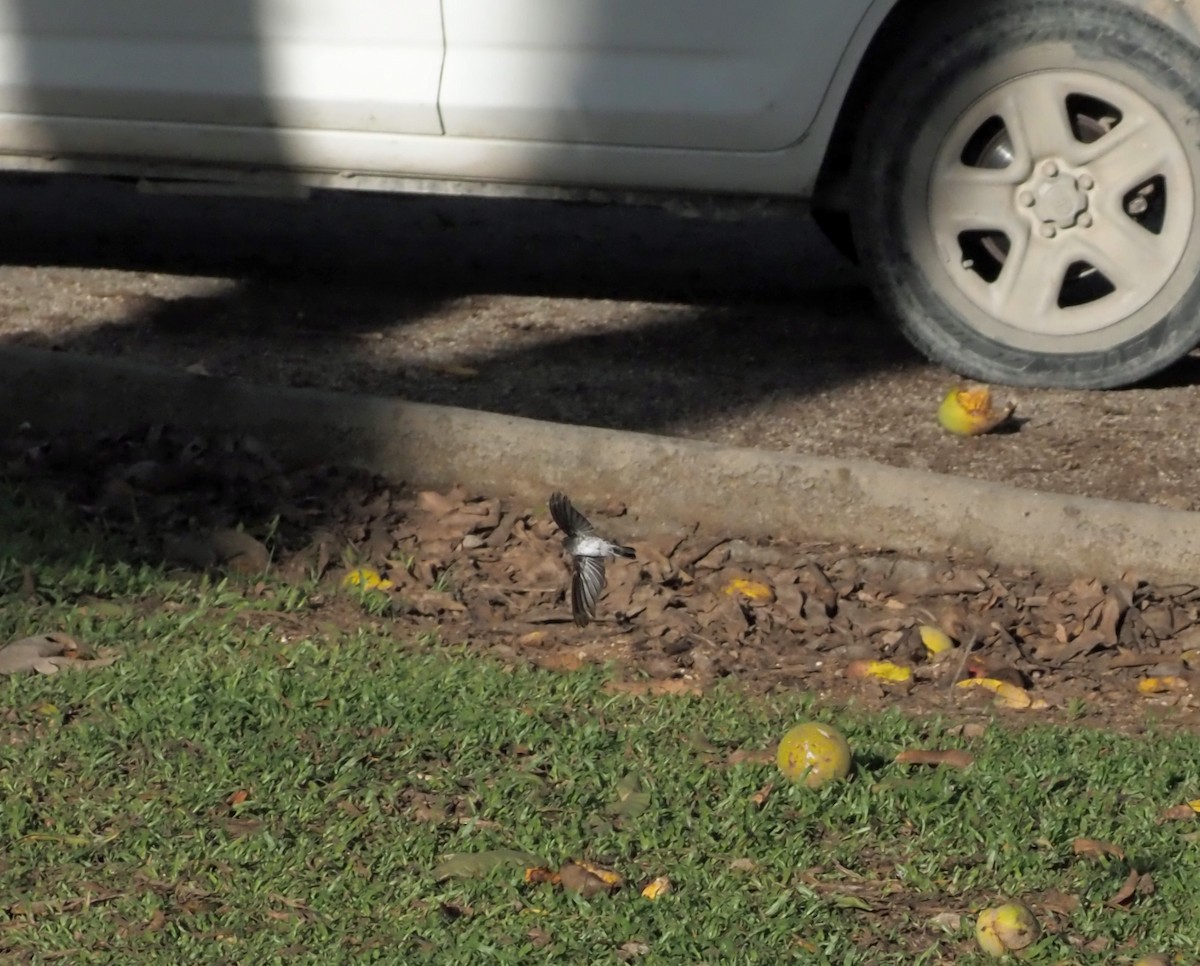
(833, 191)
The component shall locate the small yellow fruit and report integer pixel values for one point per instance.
(936, 640)
(985, 934)
(367, 579)
(1007, 928)
(1153, 959)
(884, 670)
(969, 412)
(813, 753)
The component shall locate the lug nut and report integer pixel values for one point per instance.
(1086, 182)
(1026, 199)
(1048, 231)
(1049, 169)
(1084, 220)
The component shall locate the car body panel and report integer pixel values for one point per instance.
(300, 92)
(673, 73)
(365, 65)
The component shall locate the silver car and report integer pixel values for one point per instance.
(1019, 178)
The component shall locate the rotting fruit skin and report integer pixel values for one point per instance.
(1007, 928)
(814, 753)
(969, 412)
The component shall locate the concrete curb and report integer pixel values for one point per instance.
(665, 481)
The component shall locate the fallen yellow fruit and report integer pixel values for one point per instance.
(657, 888)
(1007, 928)
(884, 670)
(936, 640)
(1169, 682)
(969, 412)
(750, 589)
(814, 753)
(1007, 694)
(367, 579)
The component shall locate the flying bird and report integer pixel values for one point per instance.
(588, 552)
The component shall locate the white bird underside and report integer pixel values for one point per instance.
(588, 553)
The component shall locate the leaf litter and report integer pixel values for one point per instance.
(693, 608)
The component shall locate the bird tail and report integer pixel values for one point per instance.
(623, 551)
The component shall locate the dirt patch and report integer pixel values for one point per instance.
(848, 623)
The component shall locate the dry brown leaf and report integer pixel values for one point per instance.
(1063, 903)
(55, 907)
(561, 661)
(432, 603)
(539, 938)
(540, 875)
(234, 549)
(156, 922)
(952, 757)
(949, 922)
(238, 828)
(588, 879)
(439, 504)
(1136, 883)
(632, 950)
(1111, 612)
(1184, 812)
(750, 756)
(816, 584)
(1084, 846)
(239, 551)
(1081, 645)
(759, 798)
(1126, 658)
(50, 653)
(237, 798)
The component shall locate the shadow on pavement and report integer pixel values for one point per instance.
(671, 318)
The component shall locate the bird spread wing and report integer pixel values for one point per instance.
(587, 583)
(570, 521)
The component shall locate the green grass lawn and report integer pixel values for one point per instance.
(254, 779)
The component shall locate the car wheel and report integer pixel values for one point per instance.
(1029, 194)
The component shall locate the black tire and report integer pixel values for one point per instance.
(1027, 74)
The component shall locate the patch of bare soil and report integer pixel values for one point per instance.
(848, 623)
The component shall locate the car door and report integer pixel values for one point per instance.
(668, 73)
(344, 65)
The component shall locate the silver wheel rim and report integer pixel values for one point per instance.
(1061, 203)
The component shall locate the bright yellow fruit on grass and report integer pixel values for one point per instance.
(969, 412)
(1006, 929)
(814, 753)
